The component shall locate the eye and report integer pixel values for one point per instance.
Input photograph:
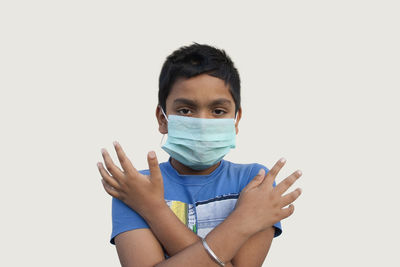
(184, 111)
(219, 112)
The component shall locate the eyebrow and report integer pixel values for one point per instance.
(219, 101)
(184, 101)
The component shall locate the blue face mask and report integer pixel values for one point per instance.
(199, 143)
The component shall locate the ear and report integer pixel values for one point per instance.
(238, 117)
(162, 121)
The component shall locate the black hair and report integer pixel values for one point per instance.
(196, 59)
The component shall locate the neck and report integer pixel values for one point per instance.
(184, 170)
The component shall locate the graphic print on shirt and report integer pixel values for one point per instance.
(185, 212)
(214, 211)
(210, 212)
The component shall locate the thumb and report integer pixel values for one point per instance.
(258, 179)
(155, 172)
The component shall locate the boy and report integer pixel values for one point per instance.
(196, 209)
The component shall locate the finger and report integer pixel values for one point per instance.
(126, 164)
(257, 180)
(111, 191)
(107, 177)
(285, 184)
(291, 197)
(111, 167)
(271, 175)
(286, 212)
(155, 172)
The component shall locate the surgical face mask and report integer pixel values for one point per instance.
(199, 143)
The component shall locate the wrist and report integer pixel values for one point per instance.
(155, 212)
(245, 227)
(228, 237)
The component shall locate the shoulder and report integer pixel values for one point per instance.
(244, 171)
(243, 166)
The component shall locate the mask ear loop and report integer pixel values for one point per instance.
(162, 110)
(162, 140)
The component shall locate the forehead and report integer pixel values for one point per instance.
(202, 89)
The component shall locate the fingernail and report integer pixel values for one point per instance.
(115, 143)
(98, 164)
(152, 155)
(261, 172)
(103, 151)
(299, 172)
(282, 160)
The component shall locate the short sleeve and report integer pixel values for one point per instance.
(256, 168)
(124, 219)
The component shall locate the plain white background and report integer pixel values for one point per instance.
(320, 83)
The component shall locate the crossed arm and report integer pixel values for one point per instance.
(236, 241)
(141, 247)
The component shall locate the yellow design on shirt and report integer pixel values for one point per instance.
(181, 211)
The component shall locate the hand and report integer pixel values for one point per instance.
(261, 204)
(140, 192)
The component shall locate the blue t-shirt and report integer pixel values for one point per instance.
(201, 202)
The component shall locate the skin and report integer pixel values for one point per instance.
(236, 241)
(213, 101)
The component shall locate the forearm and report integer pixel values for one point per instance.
(171, 232)
(225, 240)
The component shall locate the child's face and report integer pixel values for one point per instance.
(202, 96)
